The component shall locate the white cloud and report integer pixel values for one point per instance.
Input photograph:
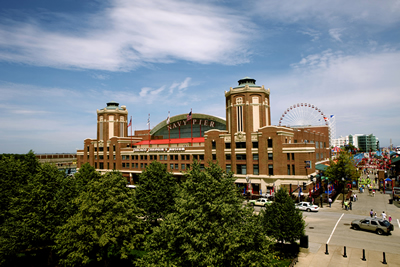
(129, 34)
(331, 13)
(335, 34)
(361, 90)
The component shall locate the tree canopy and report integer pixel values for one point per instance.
(209, 226)
(156, 191)
(342, 167)
(281, 220)
(106, 227)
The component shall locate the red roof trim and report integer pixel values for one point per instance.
(171, 141)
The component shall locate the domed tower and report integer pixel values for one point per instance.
(112, 121)
(247, 107)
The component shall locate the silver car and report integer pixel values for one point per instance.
(379, 226)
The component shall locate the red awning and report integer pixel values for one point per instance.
(171, 141)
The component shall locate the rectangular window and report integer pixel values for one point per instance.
(240, 144)
(141, 157)
(269, 142)
(228, 167)
(171, 157)
(288, 169)
(165, 157)
(137, 165)
(187, 166)
(241, 169)
(95, 149)
(201, 157)
(293, 173)
(155, 157)
(171, 166)
(182, 166)
(227, 146)
(101, 165)
(151, 157)
(176, 157)
(95, 157)
(176, 166)
(108, 165)
(145, 157)
(182, 157)
(195, 157)
(161, 157)
(95, 165)
(255, 156)
(316, 145)
(271, 169)
(127, 164)
(288, 156)
(228, 156)
(101, 157)
(123, 157)
(292, 156)
(114, 157)
(87, 148)
(213, 145)
(240, 156)
(255, 144)
(187, 157)
(113, 147)
(214, 156)
(141, 165)
(270, 156)
(255, 169)
(114, 166)
(101, 148)
(123, 165)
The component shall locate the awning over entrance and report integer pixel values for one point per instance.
(321, 167)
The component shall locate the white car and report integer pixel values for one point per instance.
(260, 202)
(307, 206)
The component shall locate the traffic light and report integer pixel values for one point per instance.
(304, 186)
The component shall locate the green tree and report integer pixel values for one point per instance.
(209, 227)
(342, 170)
(35, 213)
(156, 191)
(106, 227)
(281, 220)
(85, 174)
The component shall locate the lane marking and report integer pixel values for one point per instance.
(398, 222)
(334, 228)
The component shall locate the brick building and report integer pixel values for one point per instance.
(245, 142)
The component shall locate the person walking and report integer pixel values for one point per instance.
(330, 202)
(371, 213)
(383, 215)
(373, 192)
(375, 215)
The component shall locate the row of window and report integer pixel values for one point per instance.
(172, 166)
(195, 157)
(100, 148)
(162, 157)
(242, 169)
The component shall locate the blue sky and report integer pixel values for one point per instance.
(62, 60)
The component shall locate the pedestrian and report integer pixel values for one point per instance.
(373, 192)
(346, 205)
(371, 213)
(375, 215)
(350, 205)
(390, 218)
(330, 202)
(383, 215)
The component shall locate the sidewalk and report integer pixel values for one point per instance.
(315, 254)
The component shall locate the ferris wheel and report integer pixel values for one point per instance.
(306, 114)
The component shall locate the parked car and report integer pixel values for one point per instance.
(260, 202)
(307, 206)
(379, 226)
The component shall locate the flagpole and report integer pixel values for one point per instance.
(169, 132)
(131, 132)
(191, 127)
(148, 123)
